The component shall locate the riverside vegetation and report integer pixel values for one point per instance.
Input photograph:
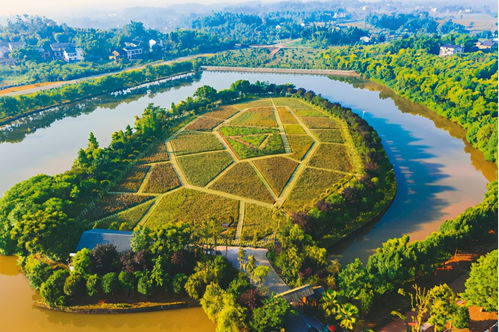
(167, 260)
(466, 95)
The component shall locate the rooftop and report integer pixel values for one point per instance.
(91, 238)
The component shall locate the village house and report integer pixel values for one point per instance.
(73, 54)
(486, 44)
(448, 50)
(133, 51)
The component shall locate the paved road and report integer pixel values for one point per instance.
(273, 282)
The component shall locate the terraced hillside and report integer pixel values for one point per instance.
(240, 164)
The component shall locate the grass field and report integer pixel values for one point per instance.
(157, 154)
(242, 180)
(329, 135)
(299, 146)
(254, 140)
(309, 187)
(113, 203)
(223, 112)
(320, 122)
(203, 123)
(294, 129)
(286, 116)
(192, 206)
(125, 220)
(276, 171)
(133, 180)
(192, 141)
(332, 156)
(258, 117)
(201, 168)
(289, 102)
(162, 179)
(258, 223)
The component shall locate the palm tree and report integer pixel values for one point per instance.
(330, 303)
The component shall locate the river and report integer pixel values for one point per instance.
(438, 177)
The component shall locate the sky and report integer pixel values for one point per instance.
(44, 7)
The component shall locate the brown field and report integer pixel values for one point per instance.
(254, 103)
(276, 171)
(242, 180)
(162, 179)
(125, 220)
(203, 123)
(308, 112)
(223, 112)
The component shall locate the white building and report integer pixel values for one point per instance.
(448, 50)
(72, 54)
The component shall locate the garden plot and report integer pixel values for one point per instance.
(162, 179)
(191, 206)
(188, 142)
(258, 223)
(133, 180)
(333, 157)
(310, 186)
(242, 180)
(294, 129)
(329, 135)
(157, 154)
(257, 117)
(299, 145)
(223, 112)
(203, 123)
(286, 116)
(200, 169)
(125, 220)
(320, 122)
(113, 203)
(276, 171)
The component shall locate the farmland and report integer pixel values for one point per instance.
(235, 164)
(162, 179)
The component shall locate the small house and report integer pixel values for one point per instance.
(304, 295)
(73, 54)
(133, 51)
(449, 50)
(486, 44)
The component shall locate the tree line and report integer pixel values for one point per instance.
(11, 106)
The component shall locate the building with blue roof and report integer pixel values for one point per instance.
(91, 238)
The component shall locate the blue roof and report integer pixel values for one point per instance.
(91, 238)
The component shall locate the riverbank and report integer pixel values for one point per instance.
(350, 73)
(120, 308)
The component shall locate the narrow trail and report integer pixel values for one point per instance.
(240, 223)
(146, 180)
(284, 138)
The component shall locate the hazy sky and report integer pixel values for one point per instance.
(9, 7)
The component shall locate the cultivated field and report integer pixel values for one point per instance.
(236, 164)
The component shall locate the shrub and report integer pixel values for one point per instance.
(52, 290)
(93, 285)
(110, 283)
(74, 285)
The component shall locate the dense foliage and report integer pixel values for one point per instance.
(481, 286)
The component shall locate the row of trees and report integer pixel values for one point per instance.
(18, 105)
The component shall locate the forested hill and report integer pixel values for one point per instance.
(462, 88)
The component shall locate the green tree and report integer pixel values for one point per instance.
(110, 283)
(178, 283)
(82, 262)
(212, 301)
(272, 315)
(36, 270)
(232, 317)
(206, 92)
(52, 290)
(74, 285)
(93, 285)
(347, 316)
(127, 281)
(481, 286)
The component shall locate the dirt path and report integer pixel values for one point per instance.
(240, 223)
(285, 142)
